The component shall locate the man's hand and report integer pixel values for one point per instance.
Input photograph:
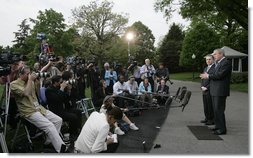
(204, 75)
(32, 76)
(203, 88)
(63, 85)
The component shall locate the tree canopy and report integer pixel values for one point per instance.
(170, 47)
(233, 9)
(142, 45)
(200, 41)
(98, 26)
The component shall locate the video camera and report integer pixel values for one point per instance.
(4, 71)
(6, 59)
(43, 74)
(10, 58)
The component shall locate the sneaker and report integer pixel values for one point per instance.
(118, 131)
(133, 127)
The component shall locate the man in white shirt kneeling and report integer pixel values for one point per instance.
(94, 134)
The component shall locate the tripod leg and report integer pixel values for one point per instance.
(3, 143)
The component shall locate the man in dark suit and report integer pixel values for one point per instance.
(205, 87)
(219, 89)
(162, 91)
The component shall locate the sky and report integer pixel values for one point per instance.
(12, 12)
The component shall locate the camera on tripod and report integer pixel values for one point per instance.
(71, 81)
(4, 71)
(6, 59)
(43, 74)
(10, 58)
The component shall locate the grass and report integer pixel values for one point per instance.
(187, 76)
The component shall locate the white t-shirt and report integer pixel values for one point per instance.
(93, 135)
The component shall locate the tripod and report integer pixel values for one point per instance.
(2, 139)
(4, 128)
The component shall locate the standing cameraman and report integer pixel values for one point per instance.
(50, 67)
(148, 71)
(135, 69)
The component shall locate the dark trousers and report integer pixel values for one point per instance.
(219, 105)
(151, 81)
(111, 148)
(208, 107)
(74, 119)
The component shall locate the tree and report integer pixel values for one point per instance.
(20, 37)
(142, 46)
(170, 47)
(58, 36)
(98, 26)
(199, 40)
(233, 9)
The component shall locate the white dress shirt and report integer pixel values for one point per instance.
(93, 135)
(118, 87)
(133, 87)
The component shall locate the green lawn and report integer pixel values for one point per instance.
(188, 76)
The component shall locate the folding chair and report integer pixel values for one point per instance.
(86, 105)
(30, 135)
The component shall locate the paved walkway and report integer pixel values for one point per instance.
(176, 139)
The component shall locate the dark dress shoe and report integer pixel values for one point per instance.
(219, 132)
(203, 121)
(213, 128)
(209, 123)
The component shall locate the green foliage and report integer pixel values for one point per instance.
(229, 19)
(239, 77)
(99, 27)
(170, 47)
(235, 9)
(52, 24)
(21, 44)
(142, 46)
(199, 40)
(242, 87)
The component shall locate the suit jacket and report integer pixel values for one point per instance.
(165, 89)
(220, 79)
(57, 100)
(206, 82)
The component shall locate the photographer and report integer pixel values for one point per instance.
(10, 64)
(24, 91)
(148, 71)
(59, 102)
(135, 69)
(50, 67)
(71, 89)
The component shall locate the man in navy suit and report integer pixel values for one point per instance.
(219, 89)
(205, 87)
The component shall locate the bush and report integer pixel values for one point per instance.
(241, 77)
